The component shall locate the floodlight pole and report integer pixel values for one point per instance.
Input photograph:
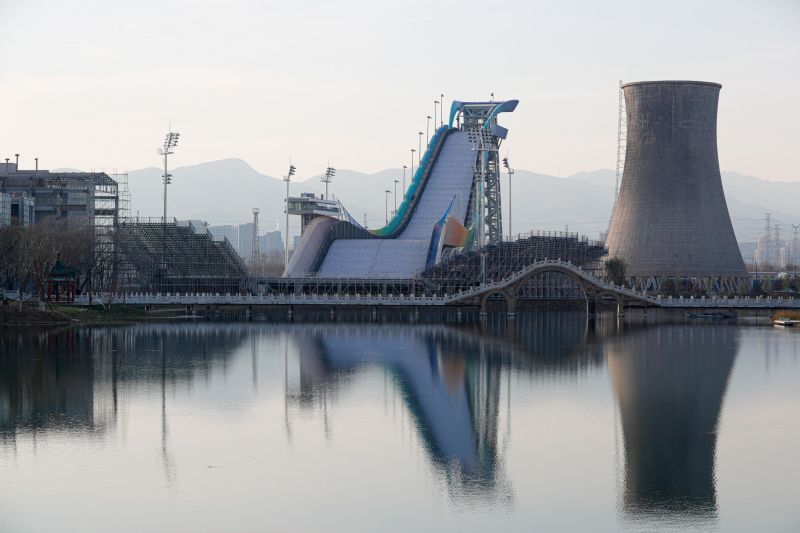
(510, 197)
(435, 108)
(287, 178)
(395, 196)
(404, 179)
(428, 131)
(387, 192)
(420, 146)
(327, 177)
(412, 163)
(166, 178)
(441, 114)
(170, 142)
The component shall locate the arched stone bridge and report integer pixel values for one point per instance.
(593, 288)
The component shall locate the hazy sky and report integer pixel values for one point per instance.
(94, 85)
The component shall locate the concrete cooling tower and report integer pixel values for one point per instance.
(670, 219)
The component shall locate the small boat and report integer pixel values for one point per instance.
(786, 322)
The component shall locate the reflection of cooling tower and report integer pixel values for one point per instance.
(670, 218)
(670, 383)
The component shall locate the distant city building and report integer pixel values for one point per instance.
(199, 223)
(229, 232)
(271, 241)
(245, 245)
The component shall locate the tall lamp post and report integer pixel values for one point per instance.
(795, 229)
(404, 179)
(419, 147)
(326, 178)
(412, 163)
(510, 197)
(287, 178)
(170, 142)
(435, 107)
(441, 114)
(395, 196)
(387, 192)
(428, 131)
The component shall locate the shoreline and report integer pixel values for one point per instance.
(65, 315)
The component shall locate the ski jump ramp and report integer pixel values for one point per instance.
(438, 209)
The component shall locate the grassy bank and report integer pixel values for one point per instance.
(31, 314)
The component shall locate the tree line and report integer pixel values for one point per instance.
(28, 254)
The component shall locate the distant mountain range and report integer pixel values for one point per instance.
(225, 191)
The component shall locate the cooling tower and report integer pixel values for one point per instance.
(670, 219)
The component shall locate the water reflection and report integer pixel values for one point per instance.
(670, 383)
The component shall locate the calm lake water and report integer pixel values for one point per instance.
(544, 423)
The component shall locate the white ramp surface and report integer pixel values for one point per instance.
(405, 256)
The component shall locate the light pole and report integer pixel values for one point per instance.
(435, 107)
(795, 229)
(441, 114)
(428, 131)
(170, 142)
(419, 147)
(287, 178)
(387, 192)
(412, 163)
(404, 179)
(510, 197)
(395, 196)
(326, 178)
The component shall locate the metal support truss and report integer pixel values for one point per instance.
(480, 122)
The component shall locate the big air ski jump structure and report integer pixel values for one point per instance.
(452, 203)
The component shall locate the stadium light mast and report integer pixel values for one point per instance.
(428, 131)
(387, 192)
(510, 197)
(395, 195)
(170, 142)
(288, 178)
(441, 114)
(412, 163)
(419, 148)
(404, 179)
(795, 229)
(326, 178)
(435, 108)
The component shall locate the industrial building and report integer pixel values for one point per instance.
(29, 196)
(670, 219)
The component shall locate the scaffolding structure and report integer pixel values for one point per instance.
(149, 255)
(622, 138)
(464, 271)
(485, 200)
(496, 262)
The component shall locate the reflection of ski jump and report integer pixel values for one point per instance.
(670, 383)
(454, 398)
(436, 210)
